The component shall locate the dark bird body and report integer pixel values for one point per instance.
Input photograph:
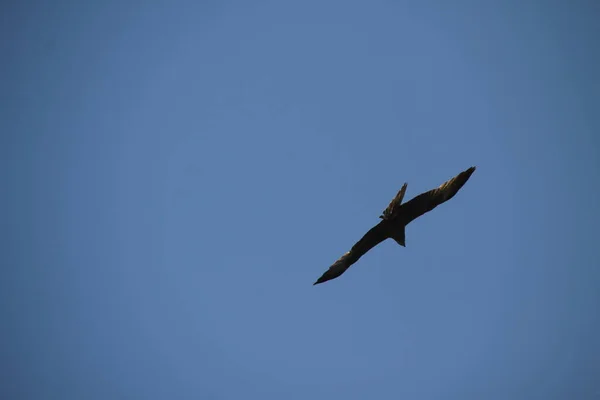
(394, 220)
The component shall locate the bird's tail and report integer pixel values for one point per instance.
(399, 235)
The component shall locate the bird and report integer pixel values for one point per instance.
(394, 220)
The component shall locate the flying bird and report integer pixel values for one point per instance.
(394, 220)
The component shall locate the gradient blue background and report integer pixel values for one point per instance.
(175, 176)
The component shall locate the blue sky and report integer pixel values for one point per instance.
(177, 174)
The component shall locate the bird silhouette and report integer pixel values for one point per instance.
(394, 220)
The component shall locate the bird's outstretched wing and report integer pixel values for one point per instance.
(427, 201)
(372, 238)
(394, 206)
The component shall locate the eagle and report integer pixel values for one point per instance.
(394, 220)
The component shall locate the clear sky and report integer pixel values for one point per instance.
(177, 174)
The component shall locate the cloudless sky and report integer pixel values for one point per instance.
(176, 175)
